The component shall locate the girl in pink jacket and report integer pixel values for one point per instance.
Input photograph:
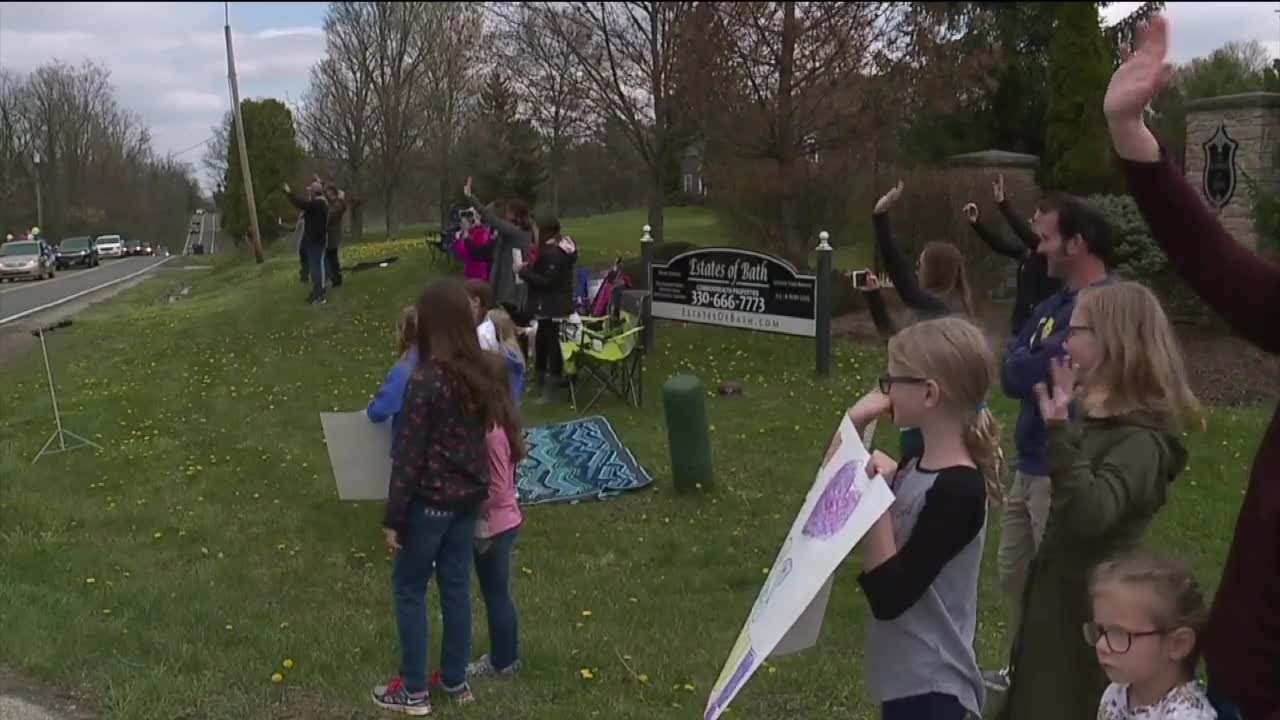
(474, 246)
(500, 521)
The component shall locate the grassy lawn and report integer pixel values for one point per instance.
(174, 572)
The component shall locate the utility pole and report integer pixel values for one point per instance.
(39, 204)
(254, 236)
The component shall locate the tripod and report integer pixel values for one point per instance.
(60, 434)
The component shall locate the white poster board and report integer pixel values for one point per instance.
(360, 453)
(841, 507)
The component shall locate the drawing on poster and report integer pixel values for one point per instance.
(836, 505)
(739, 676)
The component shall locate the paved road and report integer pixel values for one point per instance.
(17, 299)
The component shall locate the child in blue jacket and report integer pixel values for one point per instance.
(387, 401)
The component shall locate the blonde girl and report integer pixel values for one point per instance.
(1148, 615)
(922, 558)
(1110, 466)
(509, 347)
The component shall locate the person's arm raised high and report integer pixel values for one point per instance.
(896, 264)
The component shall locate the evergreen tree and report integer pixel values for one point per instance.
(1077, 155)
(275, 156)
(507, 147)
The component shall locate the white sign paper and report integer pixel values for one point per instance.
(360, 453)
(841, 507)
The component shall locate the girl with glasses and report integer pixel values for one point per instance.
(1148, 614)
(922, 557)
(1110, 469)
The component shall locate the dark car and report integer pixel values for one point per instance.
(77, 251)
(145, 248)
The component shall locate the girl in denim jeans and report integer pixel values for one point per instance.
(500, 520)
(439, 479)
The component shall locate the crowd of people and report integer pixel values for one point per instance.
(1101, 626)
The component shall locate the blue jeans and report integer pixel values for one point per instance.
(316, 270)
(930, 706)
(493, 570)
(439, 542)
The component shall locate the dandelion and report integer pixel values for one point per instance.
(586, 613)
(288, 663)
(277, 678)
(586, 673)
(89, 581)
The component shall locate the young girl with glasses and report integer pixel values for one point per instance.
(922, 557)
(1110, 463)
(1148, 614)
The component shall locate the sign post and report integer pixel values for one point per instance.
(823, 324)
(646, 259)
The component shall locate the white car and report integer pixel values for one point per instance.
(109, 246)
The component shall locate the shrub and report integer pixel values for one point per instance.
(1265, 210)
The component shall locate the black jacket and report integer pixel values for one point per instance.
(550, 278)
(1034, 283)
(315, 219)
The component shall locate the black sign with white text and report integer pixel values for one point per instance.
(735, 288)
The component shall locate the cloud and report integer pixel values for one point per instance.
(1199, 28)
(168, 60)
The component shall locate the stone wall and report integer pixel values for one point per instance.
(1230, 140)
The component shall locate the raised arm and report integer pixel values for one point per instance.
(997, 242)
(900, 270)
(1021, 228)
(1241, 285)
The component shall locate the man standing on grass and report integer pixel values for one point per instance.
(315, 221)
(1075, 241)
(337, 200)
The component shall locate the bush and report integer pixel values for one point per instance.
(1138, 257)
(1265, 210)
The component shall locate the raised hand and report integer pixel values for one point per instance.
(997, 188)
(888, 199)
(466, 189)
(868, 408)
(1055, 405)
(1144, 73)
(871, 284)
(285, 186)
(882, 465)
(970, 212)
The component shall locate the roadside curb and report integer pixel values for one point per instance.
(82, 293)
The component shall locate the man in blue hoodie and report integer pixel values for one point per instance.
(1075, 241)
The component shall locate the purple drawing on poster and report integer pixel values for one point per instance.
(731, 687)
(838, 501)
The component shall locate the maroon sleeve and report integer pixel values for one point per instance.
(1241, 285)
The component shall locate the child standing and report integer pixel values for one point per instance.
(1148, 614)
(500, 521)
(439, 478)
(1110, 471)
(922, 558)
(550, 280)
(386, 403)
(509, 347)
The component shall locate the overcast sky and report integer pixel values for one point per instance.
(168, 60)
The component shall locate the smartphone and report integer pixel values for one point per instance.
(860, 278)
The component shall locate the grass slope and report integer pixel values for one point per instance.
(174, 572)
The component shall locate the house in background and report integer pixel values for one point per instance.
(691, 165)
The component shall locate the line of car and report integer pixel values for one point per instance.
(39, 260)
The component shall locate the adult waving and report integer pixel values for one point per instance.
(1242, 643)
(516, 234)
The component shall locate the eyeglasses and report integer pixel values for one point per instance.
(1078, 329)
(887, 381)
(1119, 640)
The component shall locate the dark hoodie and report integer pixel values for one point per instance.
(1110, 476)
(550, 278)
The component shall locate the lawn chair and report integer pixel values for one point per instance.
(440, 243)
(611, 356)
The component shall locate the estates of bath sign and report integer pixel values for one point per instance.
(735, 288)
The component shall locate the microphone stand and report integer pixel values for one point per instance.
(61, 434)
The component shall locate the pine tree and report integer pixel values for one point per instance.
(1077, 149)
(507, 147)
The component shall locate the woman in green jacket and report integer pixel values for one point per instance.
(1111, 462)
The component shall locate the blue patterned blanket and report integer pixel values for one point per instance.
(577, 460)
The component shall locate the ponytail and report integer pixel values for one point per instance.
(982, 440)
(962, 289)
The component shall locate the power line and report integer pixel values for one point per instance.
(193, 147)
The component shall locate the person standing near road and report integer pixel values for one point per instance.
(315, 221)
(337, 200)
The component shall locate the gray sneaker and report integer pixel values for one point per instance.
(996, 680)
(484, 668)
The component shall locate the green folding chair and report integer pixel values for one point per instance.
(609, 357)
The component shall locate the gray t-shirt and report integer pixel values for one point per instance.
(924, 600)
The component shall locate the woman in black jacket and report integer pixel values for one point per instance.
(550, 280)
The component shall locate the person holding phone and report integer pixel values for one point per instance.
(516, 233)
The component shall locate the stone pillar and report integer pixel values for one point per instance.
(1232, 141)
(969, 179)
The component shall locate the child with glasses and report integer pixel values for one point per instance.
(1111, 465)
(1148, 614)
(922, 557)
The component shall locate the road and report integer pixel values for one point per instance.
(206, 233)
(26, 297)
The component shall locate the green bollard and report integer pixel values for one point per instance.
(683, 399)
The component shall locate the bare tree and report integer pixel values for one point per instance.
(337, 122)
(626, 52)
(549, 77)
(215, 151)
(452, 75)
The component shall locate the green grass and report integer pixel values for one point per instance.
(212, 533)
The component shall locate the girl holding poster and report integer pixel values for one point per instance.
(923, 556)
